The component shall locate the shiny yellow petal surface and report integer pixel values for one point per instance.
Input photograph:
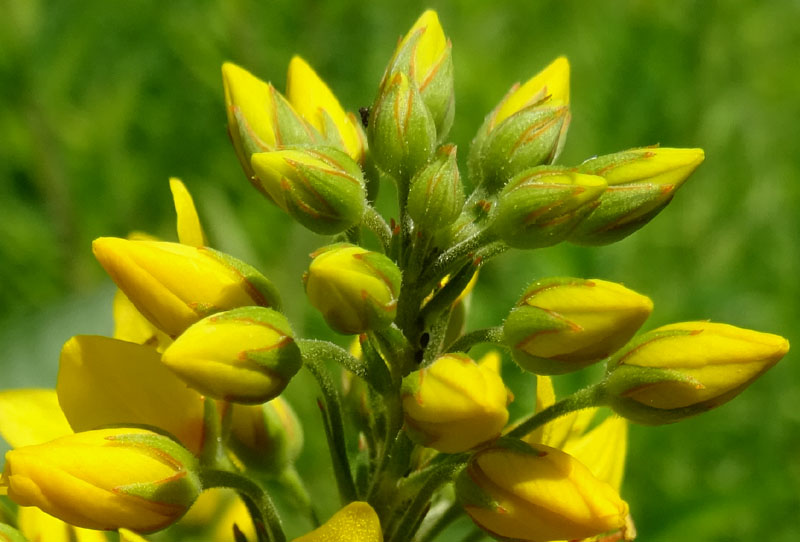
(356, 522)
(106, 479)
(552, 82)
(718, 357)
(313, 100)
(104, 381)
(38, 526)
(430, 47)
(31, 416)
(454, 404)
(171, 284)
(190, 230)
(655, 165)
(542, 495)
(602, 450)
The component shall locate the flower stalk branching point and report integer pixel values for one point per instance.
(195, 389)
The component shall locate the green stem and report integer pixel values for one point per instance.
(586, 398)
(373, 220)
(334, 428)
(267, 522)
(493, 335)
(290, 479)
(431, 480)
(454, 255)
(430, 531)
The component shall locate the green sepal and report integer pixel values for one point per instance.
(621, 211)
(263, 291)
(541, 206)
(435, 195)
(401, 131)
(524, 140)
(324, 202)
(181, 489)
(523, 323)
(290, 129)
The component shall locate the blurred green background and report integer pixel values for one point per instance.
(100, 102)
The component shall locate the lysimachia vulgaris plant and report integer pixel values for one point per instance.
(143, 429)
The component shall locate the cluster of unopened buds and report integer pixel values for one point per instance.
(187, 396)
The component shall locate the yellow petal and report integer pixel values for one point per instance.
(190, 230)
(104, 381)
(356, 522)
(313, 100)
(553, 81)
(131, 326)
(38, 526)
(235, 513)
(31, 416)
(602, 450)
(129, 536)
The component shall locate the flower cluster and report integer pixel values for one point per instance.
(143, 429)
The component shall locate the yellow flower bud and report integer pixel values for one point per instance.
(424, 55)
(320, 187)
(641, 182)
(124, 478)
(131, 326)
(104, 381)
(531, 492)
(259, 118)
(315, 102)
(548, 87)
(564, 324)
(454, 404)
(680, 370)
(175, 285)
(266, 437)
(245, 355)
(354, 289)
(357, 522)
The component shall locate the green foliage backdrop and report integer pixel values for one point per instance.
(100, 102)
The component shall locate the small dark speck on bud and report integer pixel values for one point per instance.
(364, 112)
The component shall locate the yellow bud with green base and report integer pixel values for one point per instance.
(528, 125)
(531, 492)
(424, 55)
(563, 324)
(175, 285)
(641, 182)
(454, 404)
(541, 206)
(357, 522)
(681, 370)
(245, 355)
(126, 478)
(402, 132)
(355, 289)
(259, 117)
(320, 187)
(267, 438)
(318, 106)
